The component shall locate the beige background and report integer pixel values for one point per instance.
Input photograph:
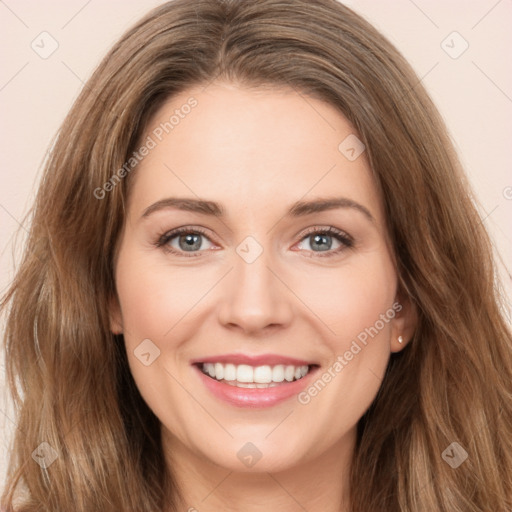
(473, 93)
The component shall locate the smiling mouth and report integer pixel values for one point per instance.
(246, 376)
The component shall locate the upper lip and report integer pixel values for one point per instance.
(253, 360)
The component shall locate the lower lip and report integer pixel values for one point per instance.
(255, 397)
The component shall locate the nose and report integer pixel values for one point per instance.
(254, 298)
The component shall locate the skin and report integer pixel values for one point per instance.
(256, 152)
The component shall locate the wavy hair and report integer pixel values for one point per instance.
(68, 373)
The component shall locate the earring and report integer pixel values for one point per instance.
(400, 339)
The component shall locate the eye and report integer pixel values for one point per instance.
(184, 240)
(322, 240)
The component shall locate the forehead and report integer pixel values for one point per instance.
(251, 149)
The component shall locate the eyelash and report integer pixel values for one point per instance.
(163, 239)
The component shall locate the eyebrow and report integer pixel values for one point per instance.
(298, 209)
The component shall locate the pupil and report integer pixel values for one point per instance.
(318, 239)
(191, 242)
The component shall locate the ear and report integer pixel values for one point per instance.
(404, 323)
(116, 319)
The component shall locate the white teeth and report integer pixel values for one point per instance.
(278, 373)
(229, 372)
(219, 371)
(263, 374)
(252, 385)
(289, 372)
(244, 375)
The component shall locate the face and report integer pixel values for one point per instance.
(254, 249)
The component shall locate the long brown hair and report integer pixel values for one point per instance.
(69, 374)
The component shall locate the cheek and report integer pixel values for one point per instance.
(351, 298)
(157, 304)
(351, 304)
(154, 296)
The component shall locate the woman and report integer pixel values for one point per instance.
(255, 279)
